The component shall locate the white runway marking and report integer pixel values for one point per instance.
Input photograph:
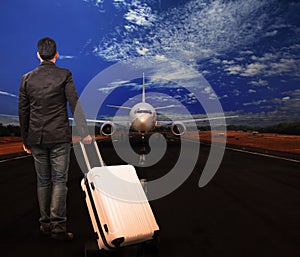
(263, 154)
(15, 158)
(255, 153)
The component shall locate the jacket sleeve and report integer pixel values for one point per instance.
(75, 107)
(24, 110)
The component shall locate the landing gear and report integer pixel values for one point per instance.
(143, 150)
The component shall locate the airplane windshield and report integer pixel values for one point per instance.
(143, 111)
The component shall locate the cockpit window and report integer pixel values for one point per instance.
(143, 111)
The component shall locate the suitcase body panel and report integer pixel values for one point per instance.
(119, 210)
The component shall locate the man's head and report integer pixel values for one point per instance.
(47, 49)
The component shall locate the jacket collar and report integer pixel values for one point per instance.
(46, 63)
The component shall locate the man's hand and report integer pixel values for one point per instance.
(26, 149)
(87, 140)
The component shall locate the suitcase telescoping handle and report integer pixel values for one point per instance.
(85, 155)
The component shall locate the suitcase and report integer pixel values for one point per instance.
(119, 210)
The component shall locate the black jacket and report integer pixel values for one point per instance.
(43, 114)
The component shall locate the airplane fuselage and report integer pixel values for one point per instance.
(143, 117)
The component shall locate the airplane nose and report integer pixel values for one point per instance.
(144, 123)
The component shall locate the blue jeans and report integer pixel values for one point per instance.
(52, 165)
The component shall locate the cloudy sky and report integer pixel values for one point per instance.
(243, 54)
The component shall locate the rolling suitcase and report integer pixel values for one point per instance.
(117, 204)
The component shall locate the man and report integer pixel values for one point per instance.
(43, 114)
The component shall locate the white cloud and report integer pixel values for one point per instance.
(254, 69)
(158, 98)
(97, 3)
(239, 59)
(295, 47)
(285, 66)
(236, 92)
(215, 60)
(271, 33)
(205, 72)
(259, 102)
(246, 52)
(132, 86)
(208, 90)
(224, 96)
(61, 57)
(8, 94)
(286, 98)
(142, 51)
(234, 70)
(228, 62)
(141, 16)
(173, 71)
(195, 30)
(105, 90)
(119, 2)
(120, 82)
(283, 62)
(267, 57)
(129, 28)
(260, 82)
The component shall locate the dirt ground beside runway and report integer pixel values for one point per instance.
(266, 141)
(11, 145)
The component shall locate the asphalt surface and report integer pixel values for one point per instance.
(251, 207)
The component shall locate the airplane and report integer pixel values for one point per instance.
(143, 118)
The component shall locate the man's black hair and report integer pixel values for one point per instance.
(47, 48)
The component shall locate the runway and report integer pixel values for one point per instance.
(250, 208)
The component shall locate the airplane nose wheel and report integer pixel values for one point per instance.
(142, 150)
(142, 161)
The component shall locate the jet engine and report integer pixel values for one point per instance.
(178, 128)
(108, 128)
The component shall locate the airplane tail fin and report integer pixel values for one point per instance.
(143, 93)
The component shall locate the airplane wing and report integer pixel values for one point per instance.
(166, 123)
(119, 107)
(122, 123)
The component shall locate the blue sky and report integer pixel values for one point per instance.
(248, 51)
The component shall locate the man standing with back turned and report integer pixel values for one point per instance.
(43, 115)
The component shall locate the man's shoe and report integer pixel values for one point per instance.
(63, 236)
(45, 231)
